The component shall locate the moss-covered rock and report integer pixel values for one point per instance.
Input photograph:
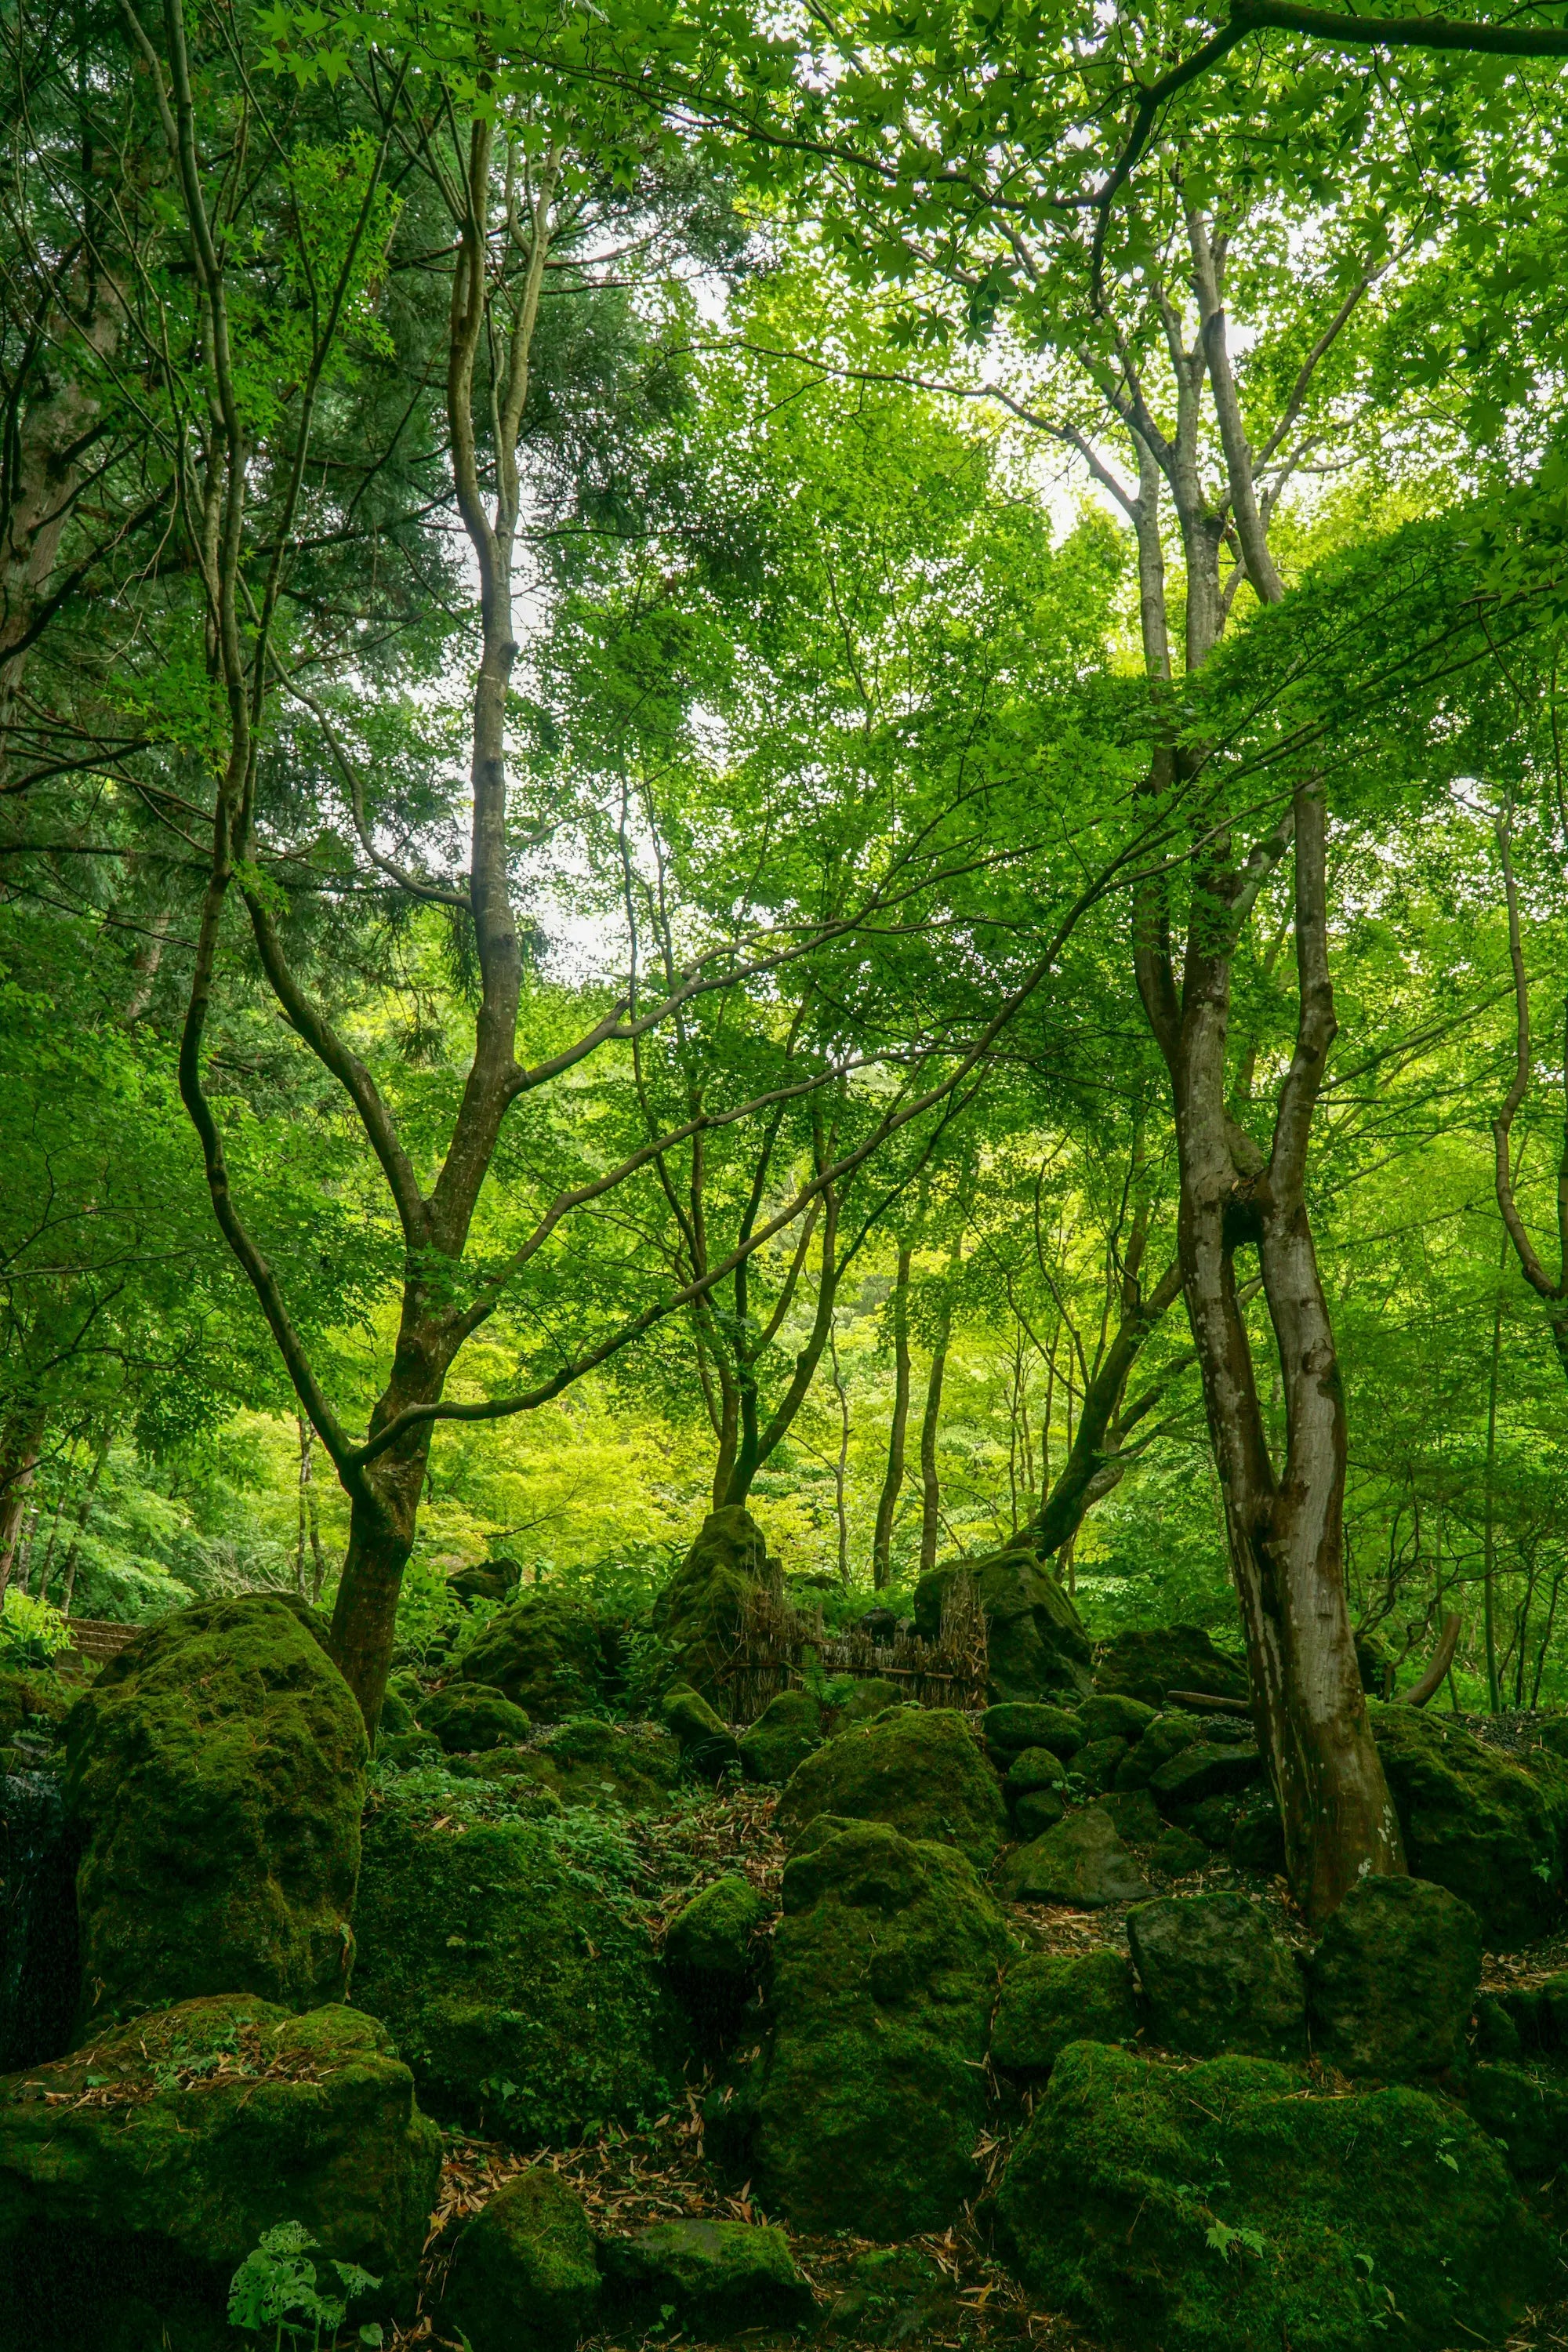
(713, 1939)
(1525, 2109)
(1216, 1977)
(397, 1720)
(895, 2294)
(214, 1778)
(698, 1614)
(709, 2278)
(39, 1968)
(488, 1579)
(525, 2274)
(1258, 1833)
(1166, 1737)
(588, 1761)
(466, 1719)
(788, 1728)
(1382, 2217)
(1175, 1853)
(884, 1973)
(1135, 1815)
(917, 1768)
(1082, 1862)
(1053, 1997)
(1149, 1662)
(165, 2149)
(1393, 1981)
(1037, 1643)
(708, 1746)
(1476, 1820)
(1035, 1813)
(1019, 1723)
(1539, 2014)
(1203, 1770)
(872, 1695)
(32, 1703)
(1034, 1768)
(1095, 1761)
(1111, 1714)
(517, 1990)
(549, 1654)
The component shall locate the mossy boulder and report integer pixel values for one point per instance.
(525, 2271)
(917, 1768)
(1034, 1768)
(550, 1655)
(1081, 1862)
(1393, 1980)
(700, 1613)
(488, 1579)
(591, 1762)
(1476, 1820)
(788, 1728)
(1205, 1769)
(1135, 1815)
(1386, 2216)
(1256, 1840)
(708, 1746)
(1149, 1662)
(885, 1966)
(1111, 1714)
(215, 1778)
(709, 2278)
(1176, 1853)
(713, 1941)
(1095, 1761)
(1036, 1812)
(1525, 2109)
(1539, 2015)
(518, 1991)
(466, 1719)
(1166, 1737)
(160, 2153)
(1053, 1997)
(871, 1695)
(1037, 1643)
(1018, 1724)
(1217, 1976)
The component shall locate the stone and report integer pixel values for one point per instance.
(1135, 1814)
(1151, 1662)
(1051, 1998)
(1495, 2036)
(524, 2274)
(40, 1972)
(709, 2278)
(215, 1779)
(1164, 1737)
(1095, 1763)
(896, 2295)
(1256, 1840)
(1081, 1862)
(708, 1746)
(1177, 1854)
(1213, 1820)
(917, 1768)
(1111, 1714)
(1375, 1664)
(160, 2153)
(395, 1720)
(873, 2093)
(547, 1654)
(1126, 2196)
(1476, 1820)
(878, 1625)
(518, 1993)
(788, 1728)
(1034, 1768)
(1037, 1643)
(700, 1613)
(715, 1936)
(1393, 1981)
(1538, 2013)
(1204, 1770)
(468, 1718)
(1525, 2110)
(612, 1766)
(1038, 1811)
(872, 1695)
(1216, 1977)
(488, 1579)
(1018, 1724)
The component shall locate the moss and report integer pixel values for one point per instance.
(1216, 1977)
(170, 2144)
(517, 1990)
(1395, 1978)
(918, 1769)
(30, 1703)
(1034, 1768)
(1081, 1862)
(591, 1762)
(708, 1746)
(1384, 2217)
(1036, 1641)
(470, 1718)
(1135, 1815)
(1095, 1761)
(698, 1615)
(1477, 1822)
(715, 1935)
(547, 1654)
(1052, 1997)
(884, 1973)
(214, 1777)
(1174, 1853)
(871, 1695)
(1205, 1769)
(1164, 1737)
(524, 2276)
(788, 1728)
(709, 2278)
(1148, 1662)
(1016, 1724)
(1525, 2109)
(1111, 1714)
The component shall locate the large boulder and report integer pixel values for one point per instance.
(1082, 1862)
(1477, 1821)
(488, 1579)
(1216, 1977)
(1037, 1643)
(1235, 2207)
(151, 2163)
(590, 1762)
(698, 1614)
(525, 2272)
(788, 1728)
(1017, 1723)
(709, 2278)
(1166, 1737)
(1393, 1980)
(517, 1991)
(917, 1768)
(1149, 1662)
(1525, 2109)
(549, 1654)
(1053, 1997)
(712, 1941)
(215, 1779)
(468, 1718)
(885, 1967)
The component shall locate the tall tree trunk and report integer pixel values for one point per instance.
(20, 1443)
(84, 1512)
(931, 1486)
(1091, 1469)
(898, 1434)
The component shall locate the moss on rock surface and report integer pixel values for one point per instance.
(698, 1612)
(1149, 1662)
(1393, 1980)
(548, 1654)
(709, 2278)
(1053, 1997)
(517, 1990)
(917, 1768)
(885, 1969)
(525, 2277)
(715, 1935)
(1216, 1977)
(1081, 1862)
(214, 1776)
(466, 1719)
(162, 2151)
(1477, 1821)
(1036, 1641)
(1381, 2218)
(788, 1728)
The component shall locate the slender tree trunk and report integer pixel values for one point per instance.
(931, 1486)
(84, 1512)
(20, 1446)
(1488, 1551)
(1084, 1476)
(898, 1434)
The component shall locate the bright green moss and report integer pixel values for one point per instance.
(917, 1768)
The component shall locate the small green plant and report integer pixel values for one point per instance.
(32, 1633)
(1225, 2240)
(276, 2288)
